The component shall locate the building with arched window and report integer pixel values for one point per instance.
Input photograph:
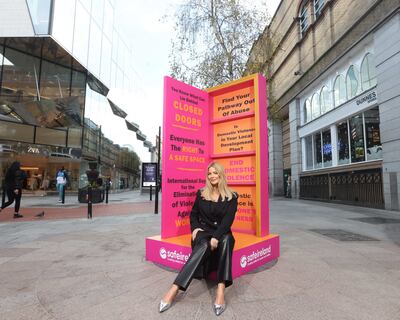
(334, 98)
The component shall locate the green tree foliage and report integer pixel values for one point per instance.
(213, 40)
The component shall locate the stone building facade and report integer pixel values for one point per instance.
(334, 100)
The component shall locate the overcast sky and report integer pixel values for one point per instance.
(150, 36)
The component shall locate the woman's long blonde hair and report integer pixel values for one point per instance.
(223, 188)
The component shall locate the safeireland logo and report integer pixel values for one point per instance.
(163, 253)
(174, 256)
(243, 261)
(255, 256)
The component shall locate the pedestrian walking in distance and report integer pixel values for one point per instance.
(61, 180)
(14, 181)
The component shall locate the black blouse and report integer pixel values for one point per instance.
(213, 217)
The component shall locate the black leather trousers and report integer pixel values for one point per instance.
(203, 261)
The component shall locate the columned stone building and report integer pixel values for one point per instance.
(334, 100)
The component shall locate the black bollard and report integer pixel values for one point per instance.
(151, 193)
(89, 196)
(63, 194)
(3, 196)
(107, 188)
(156, 201)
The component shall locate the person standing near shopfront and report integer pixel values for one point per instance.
(61, 179)
(13, 185)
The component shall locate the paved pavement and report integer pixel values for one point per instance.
(96, 269)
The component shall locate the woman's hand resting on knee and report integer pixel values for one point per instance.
(214, 243)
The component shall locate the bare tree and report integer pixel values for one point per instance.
(213, 40)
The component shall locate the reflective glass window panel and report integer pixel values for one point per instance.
(317, 151)
(106, 62)
(1, 61)
(20, 77)
(303, 19)
(98, 11)
(357, 139)
(327, 148)
(315, 106)
(16, 132)
(94, 49)
(115, 41)
(307, 111)
(81, 34)
(78, 92)
(368, 72)
(352, 82)
(108, 20)
(51, 136)
(309, 152)
(74, 137)
(63, 22)
(40, 15)
(54, 81)
(87, 4)
(339, 91)
(326, 100)
(343, 143)
(373, 135)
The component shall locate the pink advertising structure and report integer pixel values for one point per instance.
(228, 124)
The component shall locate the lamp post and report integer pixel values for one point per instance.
(158, 182)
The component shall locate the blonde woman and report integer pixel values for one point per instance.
(211, 219)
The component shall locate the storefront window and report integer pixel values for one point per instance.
(309, 152)
(357, 139)
(317, 151)
(373, 137)
(368, 72)
(343, 143)
(326, 101)
(352, 82)
(327, 148)
(339, 90)
(315, 106)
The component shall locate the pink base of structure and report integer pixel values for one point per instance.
(250, 252)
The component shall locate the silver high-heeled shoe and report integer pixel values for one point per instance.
(164, 306)
(219, 308)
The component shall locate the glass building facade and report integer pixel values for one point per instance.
(53, 90)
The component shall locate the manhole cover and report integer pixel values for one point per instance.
(376, 220)
(342, 235)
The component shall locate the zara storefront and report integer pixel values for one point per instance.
(58, 60)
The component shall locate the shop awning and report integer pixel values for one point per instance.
(140, 136)
(132, 126)
(147, 144)
(117, 110)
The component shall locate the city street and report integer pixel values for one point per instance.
(67, 267)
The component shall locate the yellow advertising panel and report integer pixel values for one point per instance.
(234, 103)
(234, 136)
(245, 219)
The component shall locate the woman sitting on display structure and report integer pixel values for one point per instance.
(212, 241)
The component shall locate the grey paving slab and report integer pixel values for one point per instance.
(82, 269)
